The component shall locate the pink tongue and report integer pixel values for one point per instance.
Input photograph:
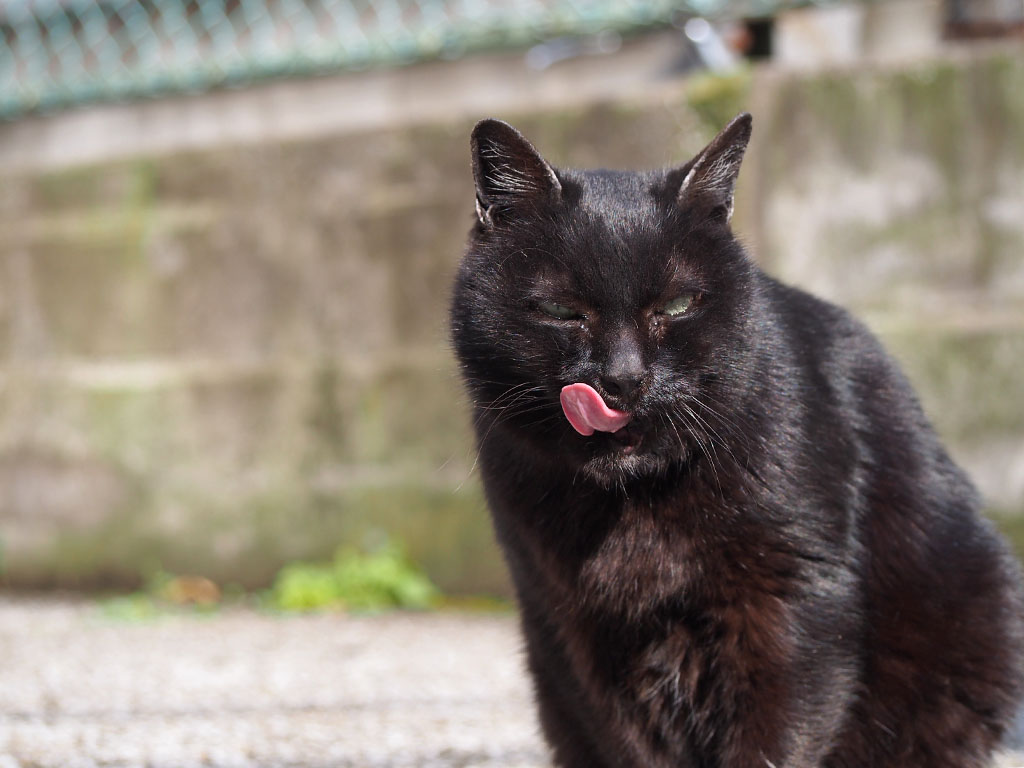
(587, 412)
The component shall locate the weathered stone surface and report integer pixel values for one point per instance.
(220, 360)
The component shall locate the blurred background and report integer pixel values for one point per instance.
(228, 230)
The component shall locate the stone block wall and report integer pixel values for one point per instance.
(218, 361)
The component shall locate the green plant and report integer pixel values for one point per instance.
(354, 581)
(136, 607)
(162, 593)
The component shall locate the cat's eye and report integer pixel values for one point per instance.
(679, 305)
(559, 311)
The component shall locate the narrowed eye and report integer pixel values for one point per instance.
(679, 305)
(559, 311)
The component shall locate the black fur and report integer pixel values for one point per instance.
(775, 563)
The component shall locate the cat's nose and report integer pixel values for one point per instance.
(624, 368)
(621, 384)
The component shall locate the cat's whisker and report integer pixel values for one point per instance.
(704, 399)
(469, 474)
(741, 434)
(513, 393)
(725, 425)
(734, 428)
(512, 400)
(545, 420)
(706, 443)
(508, 410)
(712, 434)
(684, 450)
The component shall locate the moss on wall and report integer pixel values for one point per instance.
(718, 98)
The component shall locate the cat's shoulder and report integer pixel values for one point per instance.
(823, 336)
(805, 310)
(817, 323)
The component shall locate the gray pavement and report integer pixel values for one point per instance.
(243, 689)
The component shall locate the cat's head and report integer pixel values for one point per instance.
(629, 283)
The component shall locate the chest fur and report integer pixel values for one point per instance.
(676, 636)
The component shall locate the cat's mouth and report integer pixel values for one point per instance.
(621, 456)
(615, 437)
(588, 413)
(628, 438)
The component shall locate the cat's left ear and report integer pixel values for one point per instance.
(508, 171)
(710, 178)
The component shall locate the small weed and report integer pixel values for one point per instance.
(354, 581)
(132, 608)
(164, 593)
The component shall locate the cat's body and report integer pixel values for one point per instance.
(775, 563)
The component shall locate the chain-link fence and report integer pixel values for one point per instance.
(59, 52)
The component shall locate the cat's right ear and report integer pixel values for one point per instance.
(508, 171)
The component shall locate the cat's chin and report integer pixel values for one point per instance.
(628, 455)
(622, 467)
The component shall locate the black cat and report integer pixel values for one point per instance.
(735, 539)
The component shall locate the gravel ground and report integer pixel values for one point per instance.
(241, 689)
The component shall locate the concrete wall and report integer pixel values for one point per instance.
(218, 360)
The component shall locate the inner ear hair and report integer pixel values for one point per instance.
(483, 212)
